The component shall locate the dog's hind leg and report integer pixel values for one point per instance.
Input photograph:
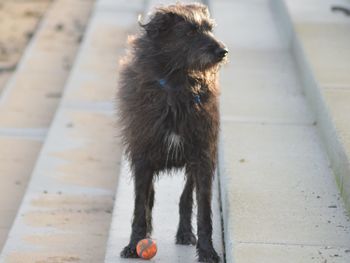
(185, 234)
(143, 179)
(149, 211)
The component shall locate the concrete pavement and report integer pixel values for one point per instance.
(322, 38)
(280, 199)
(30, 98)
(275, 189)
(65, 213)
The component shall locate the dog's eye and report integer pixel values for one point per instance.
(209, 26)
(191, 32)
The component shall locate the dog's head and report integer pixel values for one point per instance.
(182, 34)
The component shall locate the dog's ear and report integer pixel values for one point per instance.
(160, 22)
(205, 10)
(196, 7)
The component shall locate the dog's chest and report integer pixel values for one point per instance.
(174, 145)
(173, 139)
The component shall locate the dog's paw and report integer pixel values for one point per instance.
(209, 256)
(186, 239)
(129, 252)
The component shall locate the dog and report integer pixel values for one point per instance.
(169, 115)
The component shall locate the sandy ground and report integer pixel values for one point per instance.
(18, 21)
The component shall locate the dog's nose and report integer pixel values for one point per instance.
(221, 52)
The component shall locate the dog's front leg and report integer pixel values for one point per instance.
(184, 235)
(143, 177)
(204, 173)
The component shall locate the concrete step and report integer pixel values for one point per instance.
(30, 98)
(321, 37)
(66, 211)
(279, 197)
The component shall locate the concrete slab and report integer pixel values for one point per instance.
(39, 60)
(165, 219)
(31, 96)
(19, 21)
(65, 214)
(271, 154)
(4, 77)
(256, 82)
(66, 28)
(68, 204)
(326, 46)
(321, 46)
(317, 12)
(32, 101)
(3, 235)
(338, 102)
(44, 68)
(240, 28)
(109, 34)
(16, 164)
(6, 219)
(272, 206)
(290, 253)
(270, 178)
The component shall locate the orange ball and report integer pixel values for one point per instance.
(146, 248)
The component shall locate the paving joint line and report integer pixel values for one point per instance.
(236, 120)
(290, 244)
(335, 87)
(89, 107)
(24, 133)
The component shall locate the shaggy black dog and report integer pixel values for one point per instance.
(168, 107)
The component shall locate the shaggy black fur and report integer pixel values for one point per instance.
(168, 106)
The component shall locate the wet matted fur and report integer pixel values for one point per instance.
(168, 108)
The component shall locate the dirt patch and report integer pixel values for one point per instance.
(18, 22)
